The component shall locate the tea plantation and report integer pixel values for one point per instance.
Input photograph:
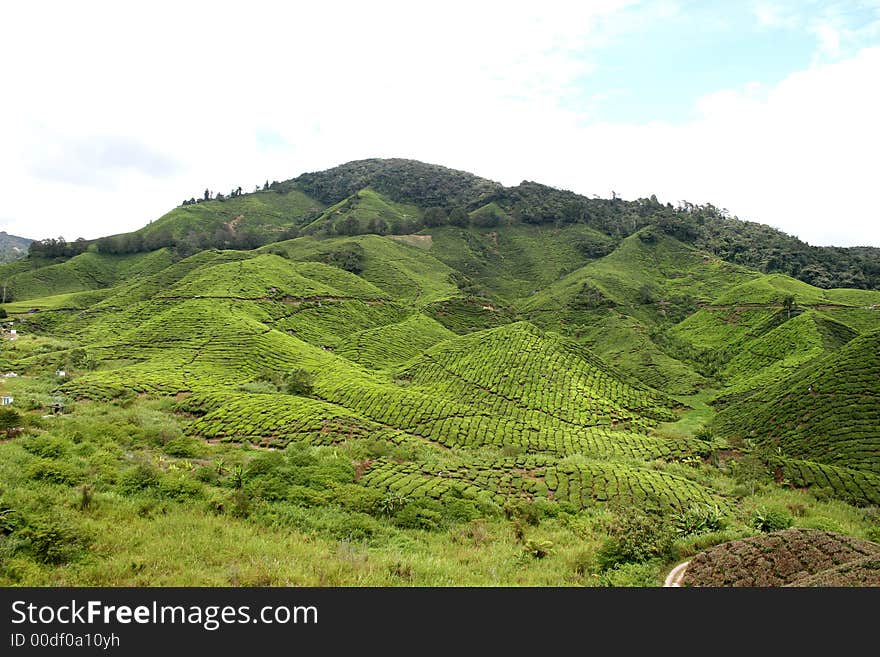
(391, 373)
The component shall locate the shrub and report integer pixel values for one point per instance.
(582, 563)
(53, 540)
(538, 549)
(305, 496)
(353, 497)
(699, 519)
(475, 532)
(524, 511)
(770, 520)
(9, 419)
(208, 475)
(268, 487)
(9, 518)
(417, 515)
(47, 447)
(258, 387)
(392, 502)
(629, 574)
(239, 504)
(457, 509)
(139, 478)
(184, 447)
(265, 463)
(634, 537)
(55, 471)
(351, 527)
(298, 382)
(323, 475)
(180, 488)
(237, 476)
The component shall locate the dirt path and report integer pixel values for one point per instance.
(676, 575)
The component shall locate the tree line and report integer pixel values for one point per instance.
(208, 195)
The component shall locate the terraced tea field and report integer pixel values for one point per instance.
(581, 485)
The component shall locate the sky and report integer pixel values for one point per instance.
(111, 114)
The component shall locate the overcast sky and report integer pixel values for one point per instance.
(112, 115)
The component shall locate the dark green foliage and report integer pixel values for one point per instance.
(298, 382)
(594, 246)
(184, 447)
(45, 446)
(524, 511)
(347, 226)
(424, 514)
(54, 471)
(590, 297)
(52, 539)
(405, 181)
(770, 250)
(487, 219)
(458, 217)
(354, 497)
(634, 537)
(9, 419)
(138, 479)
(349, 256)
(434, 217)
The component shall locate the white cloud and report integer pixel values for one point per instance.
(170, 98)
(800, 155)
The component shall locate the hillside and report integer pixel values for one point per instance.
(12, 247)
(426, 378)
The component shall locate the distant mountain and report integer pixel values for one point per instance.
(12, 247)
(399, 197)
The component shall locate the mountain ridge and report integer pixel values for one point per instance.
(283, 209)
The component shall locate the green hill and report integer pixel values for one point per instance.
(87, 271)
(366, 211)
(825, 412)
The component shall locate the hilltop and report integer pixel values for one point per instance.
(429, 378)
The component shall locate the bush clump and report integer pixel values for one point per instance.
(634, 536)
(770, 520)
